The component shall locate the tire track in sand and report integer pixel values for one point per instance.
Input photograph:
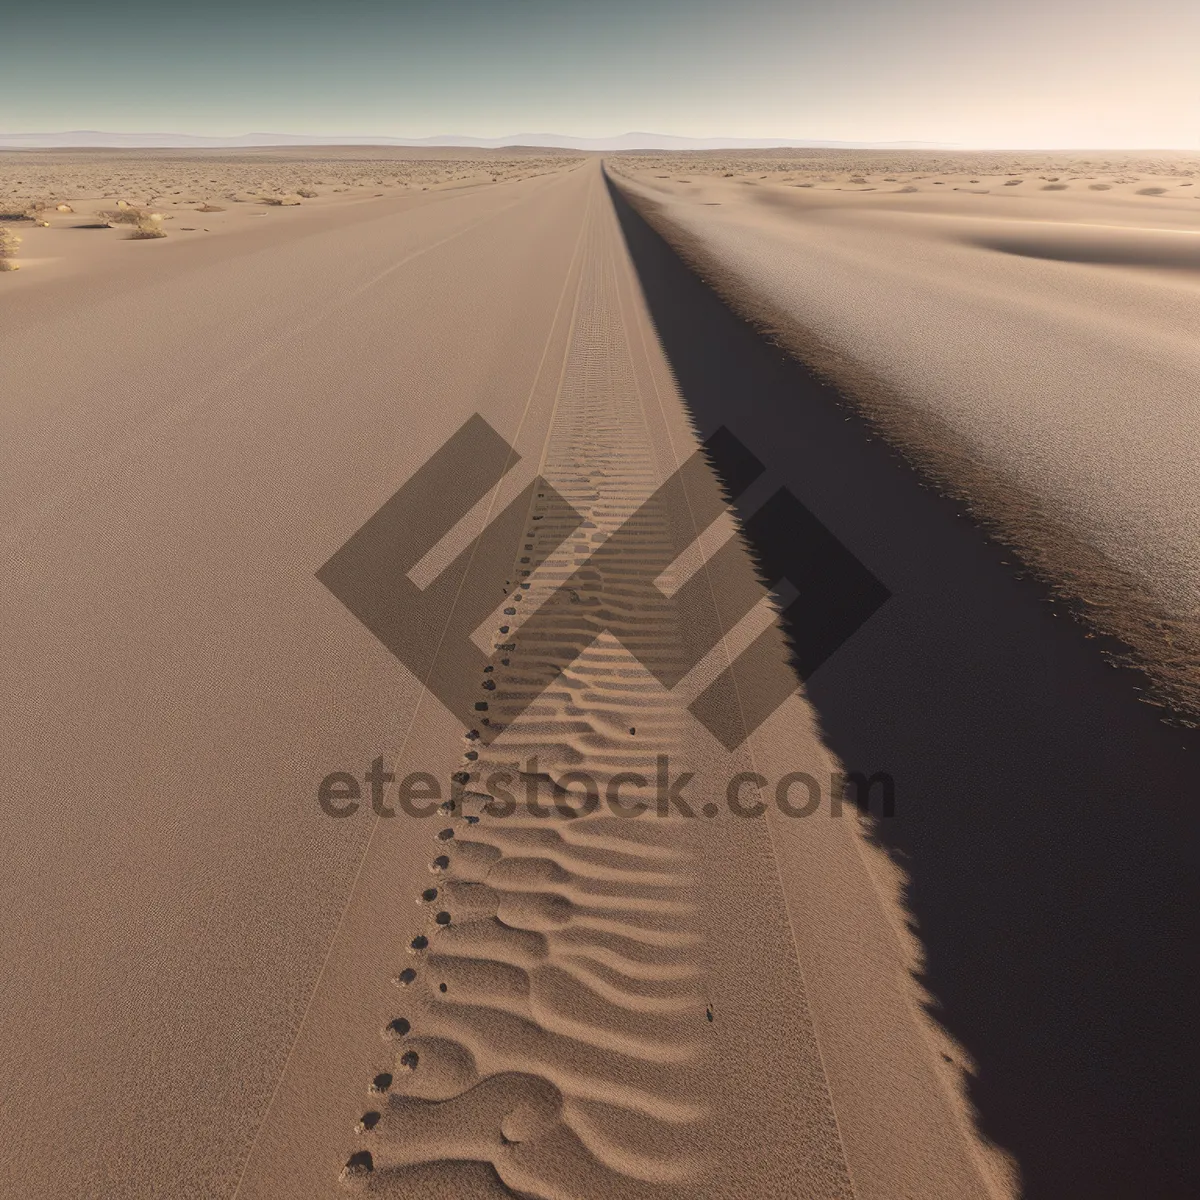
(550, 1032)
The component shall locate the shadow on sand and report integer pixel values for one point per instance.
(1046, 819)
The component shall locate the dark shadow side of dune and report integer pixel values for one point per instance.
(1046, 820)
(1167, 249)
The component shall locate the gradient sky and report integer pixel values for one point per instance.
(1023, 73)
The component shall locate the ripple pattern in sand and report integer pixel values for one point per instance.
(546, 1030)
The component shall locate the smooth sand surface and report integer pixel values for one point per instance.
(215, 989)
(1025, 328)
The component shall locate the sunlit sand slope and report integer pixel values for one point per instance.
(1031, 343)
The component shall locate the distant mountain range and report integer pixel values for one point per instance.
(625, 141)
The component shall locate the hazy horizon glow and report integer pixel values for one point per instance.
(1090, 74)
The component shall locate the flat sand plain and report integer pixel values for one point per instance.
(1024, 326)
(197, 194)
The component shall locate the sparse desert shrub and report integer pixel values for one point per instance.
(123, 214)
(206, 207)
(9, 242)
(281, 201)
(1100, 187)
(1055, 187)
(145, 224)
(150, 228)
(35, 211)
(1152, 191)
(908, 188)
(306, 193)
(1012, 182)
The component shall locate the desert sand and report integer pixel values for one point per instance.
(66, 206)
(220, 990)
(219, 982)
(1022, 326)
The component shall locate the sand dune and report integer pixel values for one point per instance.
(1045, 832)
(1024, 329)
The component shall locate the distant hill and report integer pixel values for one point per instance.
(625, 141)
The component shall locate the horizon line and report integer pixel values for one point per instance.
(528, 140)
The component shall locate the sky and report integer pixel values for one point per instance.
(1022, 73)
